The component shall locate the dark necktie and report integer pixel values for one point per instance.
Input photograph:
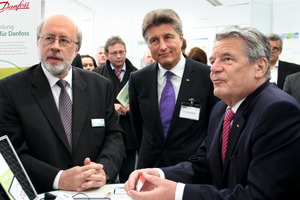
(167, 103)
(65, 110)
(226, 127)
(118, 73)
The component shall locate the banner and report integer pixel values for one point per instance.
(18, 43)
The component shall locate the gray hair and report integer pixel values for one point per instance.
(113, 40)
(78, 34)
(161, 16)
(276, 37)
(256, 44)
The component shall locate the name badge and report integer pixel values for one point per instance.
(98, 122)
(189, 112)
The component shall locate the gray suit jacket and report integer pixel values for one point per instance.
(29, 116)
(292, 85)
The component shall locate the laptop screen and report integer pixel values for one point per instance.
(10, 156)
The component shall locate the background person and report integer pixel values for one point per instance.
(100, 56)
(88, 62)
(118, 69)
(198, 54)
(279, 69)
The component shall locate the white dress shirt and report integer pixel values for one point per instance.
(274, 73)
(56, 91)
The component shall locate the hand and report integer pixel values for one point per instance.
(79, 179)
(134, 177)
(161, 189)
(121, 110)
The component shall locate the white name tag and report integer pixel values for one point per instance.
(98, 122)
(189, 112)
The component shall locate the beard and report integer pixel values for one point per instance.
(57, 69)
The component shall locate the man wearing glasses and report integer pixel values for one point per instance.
(279, 69)
(60, 118)
(118, 69)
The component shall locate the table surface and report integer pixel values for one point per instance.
(113, 191)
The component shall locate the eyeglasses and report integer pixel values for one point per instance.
(49, 39)
(117, 52)
(275, 49)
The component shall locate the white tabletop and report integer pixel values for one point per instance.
(113, 191)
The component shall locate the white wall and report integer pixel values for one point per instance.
(101, 19)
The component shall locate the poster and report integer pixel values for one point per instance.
(18, 43)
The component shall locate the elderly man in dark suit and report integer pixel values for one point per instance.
(61, 119)
(170, 100)
(252, 147)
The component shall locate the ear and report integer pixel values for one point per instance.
(261, 67)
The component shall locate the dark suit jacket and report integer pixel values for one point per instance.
(262, 159)
(285, 69)
(184, 135)
(29, 116)
(292, 85)
(106, 70)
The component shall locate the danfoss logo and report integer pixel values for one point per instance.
(6, 6)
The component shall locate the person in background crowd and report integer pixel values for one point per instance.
(118, 69)
(279, 69)
(252, 147)
(100, 56)
(88, 62)
(61, 119)
(292, 85)
(183, 47)
(198, 55)
(170, 100)
(148, 58)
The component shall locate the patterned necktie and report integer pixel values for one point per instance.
(118, 73)
(65, 110)
(167, 103)
(226, 127)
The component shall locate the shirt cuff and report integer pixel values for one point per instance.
(161, 173)
(179, 191)
(56, 180)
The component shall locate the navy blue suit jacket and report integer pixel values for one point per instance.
(262, 159)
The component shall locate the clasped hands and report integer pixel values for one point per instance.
(122, 110)
(86, 177)
(154, 187)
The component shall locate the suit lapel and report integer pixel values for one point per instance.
(187, 81)
(154, 98)
(81, 99)
(43, 95)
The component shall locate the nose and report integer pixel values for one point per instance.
(216, 67)
(55, 45)
(162, 45)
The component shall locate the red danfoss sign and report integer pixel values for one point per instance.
(6, 6)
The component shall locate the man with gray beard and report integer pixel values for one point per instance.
(61, 119)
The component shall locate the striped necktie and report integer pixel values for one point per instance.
(226, 128)
(65, 110)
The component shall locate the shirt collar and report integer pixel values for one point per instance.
(177, 69)
(52, 79)
(236, 106)
(123, 68)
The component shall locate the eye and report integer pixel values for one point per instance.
(49, 39)
(64, 41)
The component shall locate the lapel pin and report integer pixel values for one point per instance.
(187, 79)
(238, 125)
